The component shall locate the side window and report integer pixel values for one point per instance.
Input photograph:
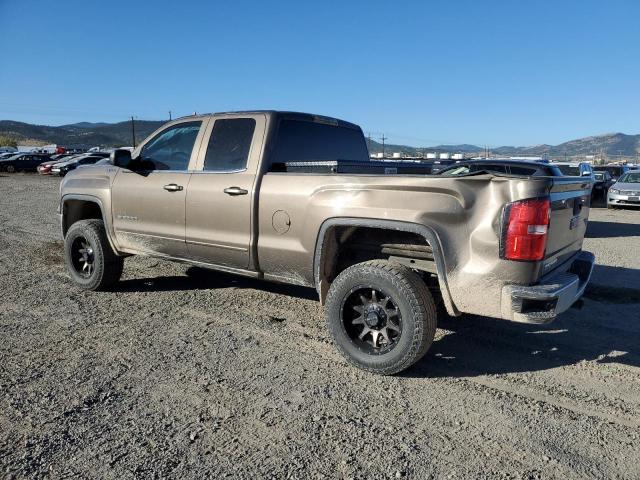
(170, 149)
(229, 145)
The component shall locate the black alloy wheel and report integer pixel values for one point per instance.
(371, 319)
(82, 257)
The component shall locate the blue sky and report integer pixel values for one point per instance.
(423, 72)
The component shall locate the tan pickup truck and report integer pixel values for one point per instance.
(293, 197)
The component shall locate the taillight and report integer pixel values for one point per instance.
(525, 230)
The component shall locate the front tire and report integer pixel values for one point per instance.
(90, 260)
(11, 169)
(381, 316)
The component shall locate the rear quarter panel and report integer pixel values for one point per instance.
(464, 213)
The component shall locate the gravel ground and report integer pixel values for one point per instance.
(184, 374)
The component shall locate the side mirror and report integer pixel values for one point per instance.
(586, 174)
(120, 158)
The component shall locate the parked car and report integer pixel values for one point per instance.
(23, 162)
(104, 161)
(381, 250)
(5, 155)
(45, 167)
(62, 168)
(62, 156)
(575, 169)
(602, 182)
(625, 192)
(616, 171)
(511, 167)
(439, 165)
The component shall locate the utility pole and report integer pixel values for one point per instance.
(133, 132)
(383, 144)
(169, 115)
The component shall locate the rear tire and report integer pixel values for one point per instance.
(11, 169)
(90, 260)
(381, 316)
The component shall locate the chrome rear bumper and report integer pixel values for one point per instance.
(541, 303)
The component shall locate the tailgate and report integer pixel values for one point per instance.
(570, 200)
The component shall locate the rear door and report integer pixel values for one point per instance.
(219, 203)
(148, 199)
(29, 162)
(570, 200)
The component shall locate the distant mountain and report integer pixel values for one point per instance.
(89, 134)
(612, 144)
(82, 134)
(86, 124)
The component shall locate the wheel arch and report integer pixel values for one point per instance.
(326, 251)
(74, 208)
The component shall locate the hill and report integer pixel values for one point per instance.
(81, 134)
(612, 144)
(87, 134)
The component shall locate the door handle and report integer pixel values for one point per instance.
(235, 191)
(172, 187)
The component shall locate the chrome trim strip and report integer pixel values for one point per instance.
(149, 235)
(217, 245)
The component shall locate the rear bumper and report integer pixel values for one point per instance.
(541, 303)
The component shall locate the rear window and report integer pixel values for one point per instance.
(301, 141)
(569, 170)
(489, 168)
(523, 170)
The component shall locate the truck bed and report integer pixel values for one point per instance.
(380, 167)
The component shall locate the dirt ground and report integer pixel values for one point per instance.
(182, 374)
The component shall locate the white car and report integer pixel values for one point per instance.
(625, 192)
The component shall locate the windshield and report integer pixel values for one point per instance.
(630, 177)
(569, 170)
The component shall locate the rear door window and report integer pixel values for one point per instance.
(229, 144)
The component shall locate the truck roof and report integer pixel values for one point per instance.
(308, 117)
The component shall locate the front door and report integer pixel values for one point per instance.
(221, 191)
(148, 199)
